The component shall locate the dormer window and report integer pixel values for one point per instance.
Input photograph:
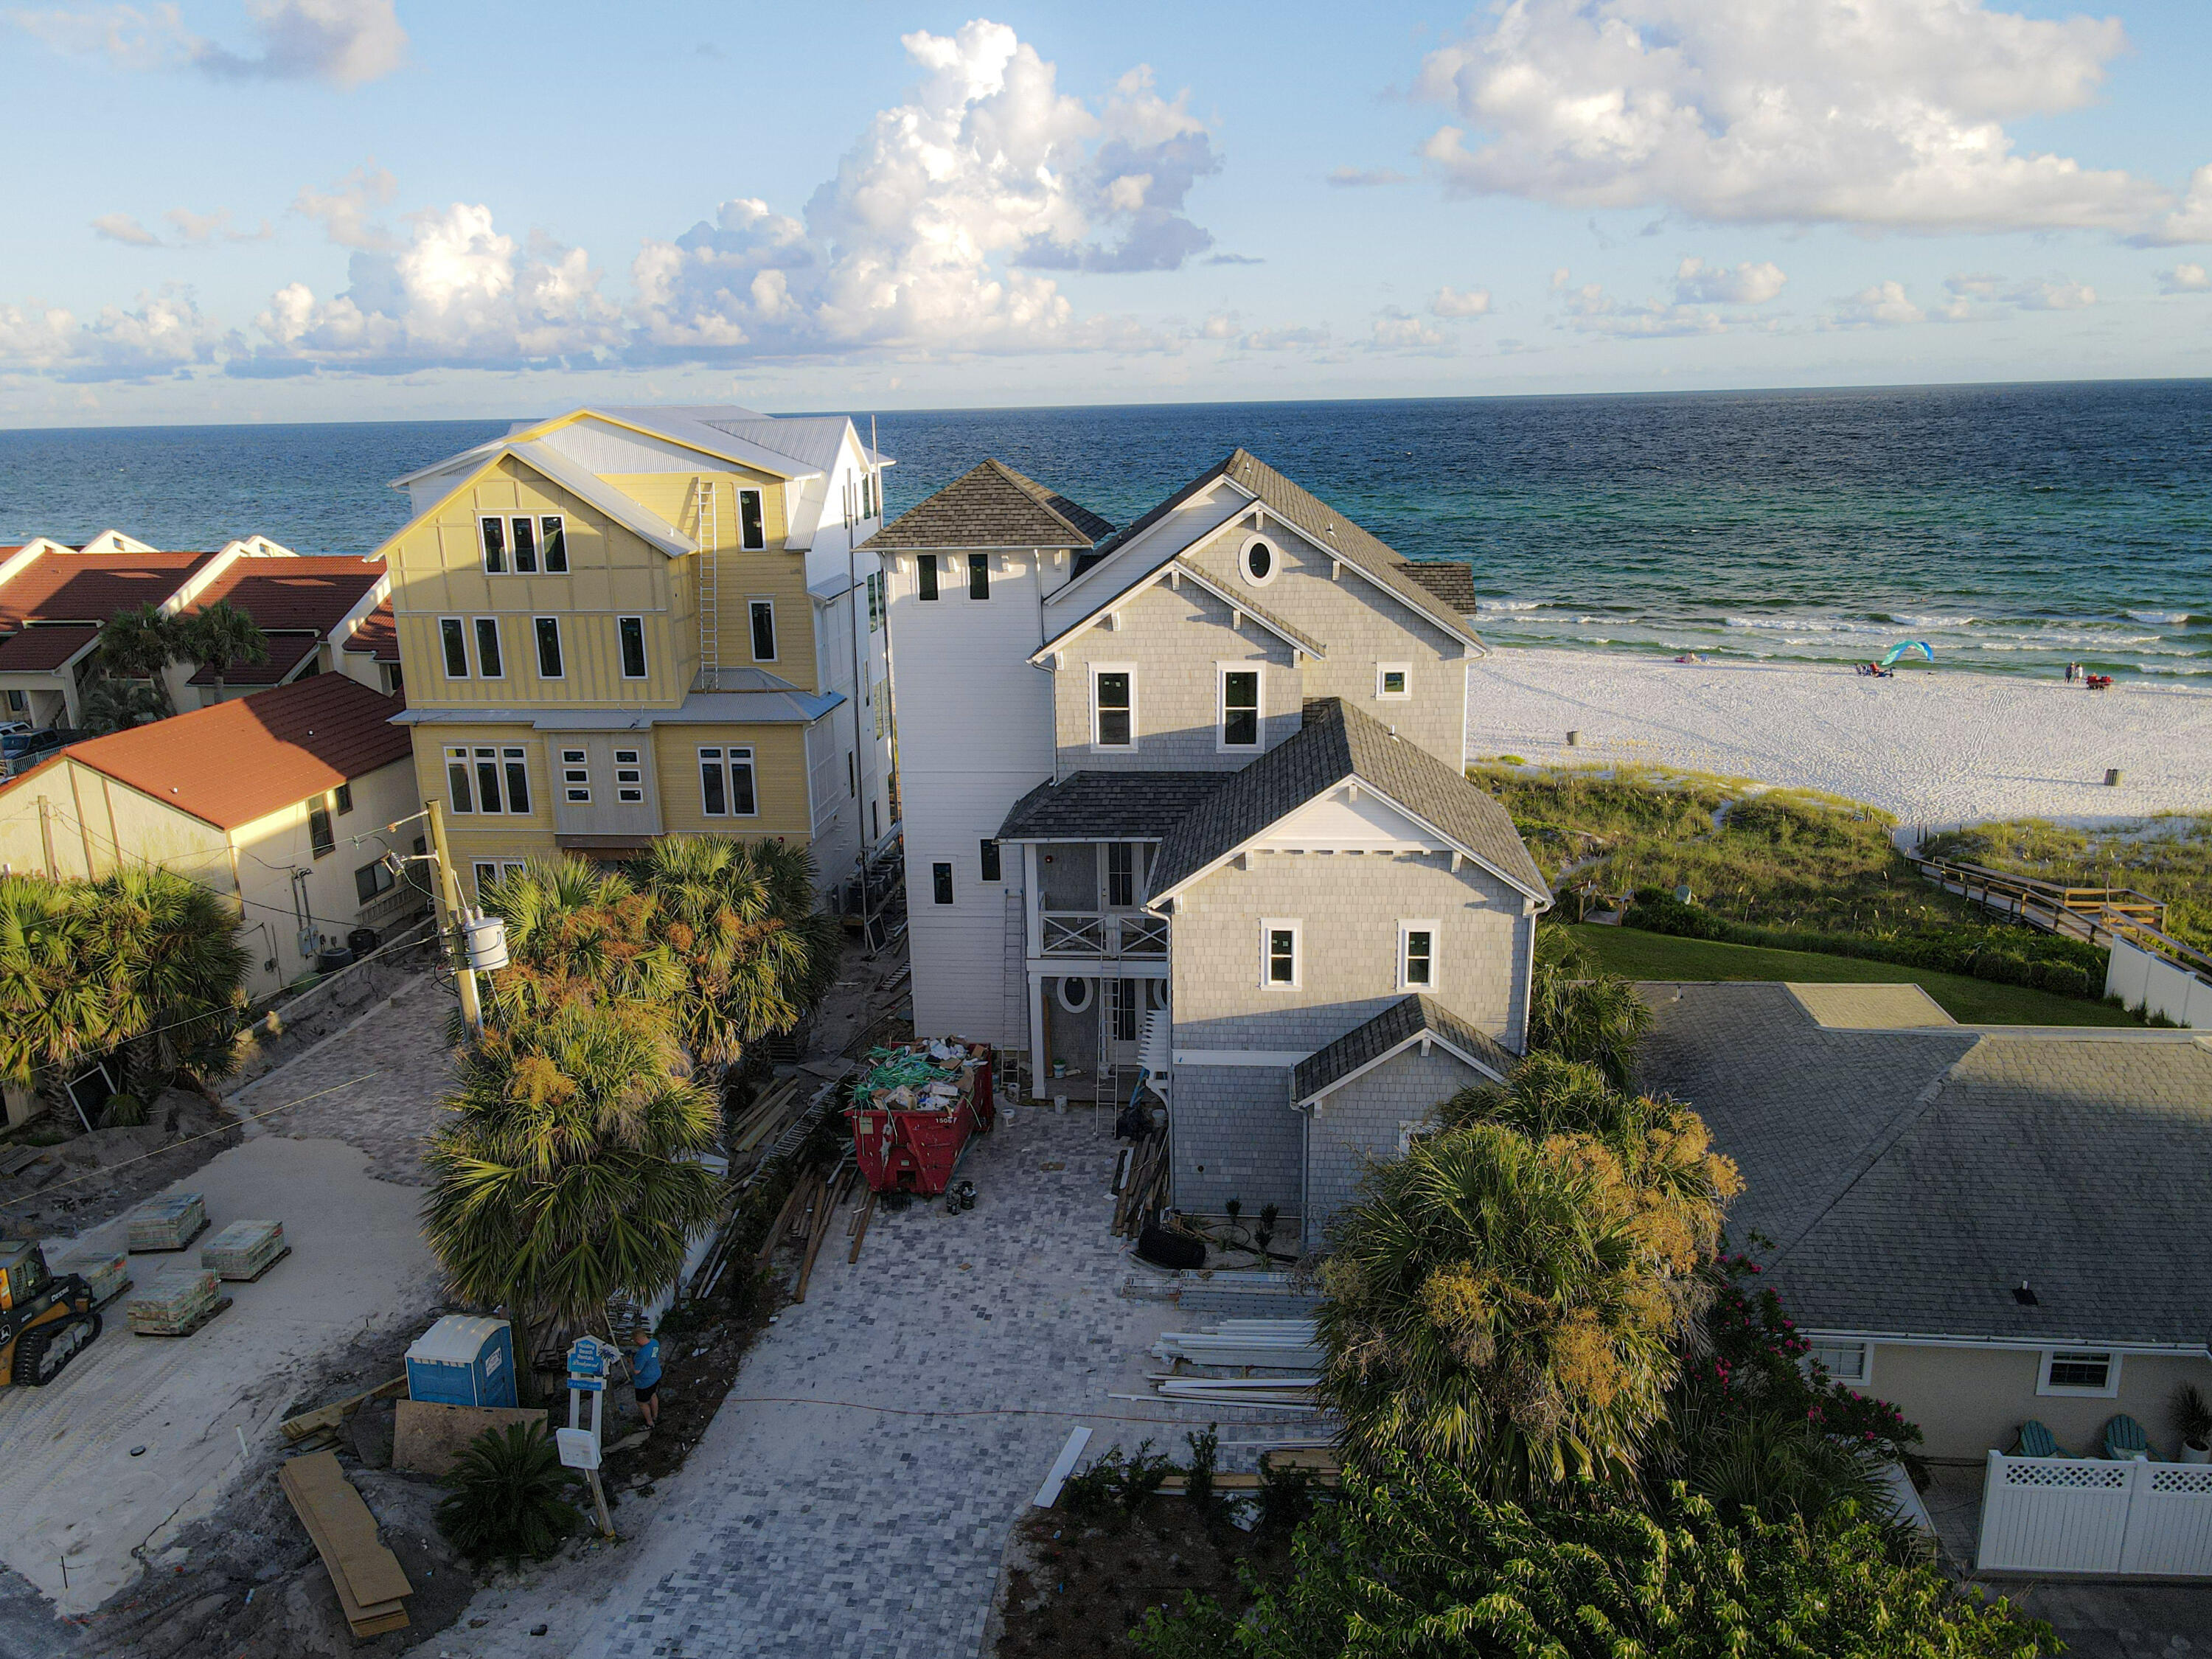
(1259, 561)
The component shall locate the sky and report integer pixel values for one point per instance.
(236, 210)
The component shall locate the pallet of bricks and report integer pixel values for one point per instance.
(176, 1303)
(108, 1272)
(170, 1222)
(245, 1251)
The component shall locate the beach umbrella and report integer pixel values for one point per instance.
(1898, 650)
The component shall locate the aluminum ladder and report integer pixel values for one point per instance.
(710, 599)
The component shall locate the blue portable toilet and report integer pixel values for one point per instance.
(462, 1361)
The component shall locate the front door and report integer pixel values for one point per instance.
(1125, 1019)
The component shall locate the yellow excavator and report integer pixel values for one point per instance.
(46, 1320)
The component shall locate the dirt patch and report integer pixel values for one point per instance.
(1076, 1588)
(84, 1179)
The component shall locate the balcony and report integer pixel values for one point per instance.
(1092, 936)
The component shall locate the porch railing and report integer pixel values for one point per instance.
(1089, 933)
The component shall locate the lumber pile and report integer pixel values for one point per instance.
(371, 1586)
(1141, 1184)
(807, 1215)
(108, 1272)
(244, 1249)
(1291, 1346)
(169, 1222)
(177, 1301)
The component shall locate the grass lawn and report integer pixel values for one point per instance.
(1634, 954)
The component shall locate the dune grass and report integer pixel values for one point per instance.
(2168, 856)
(1633, 954)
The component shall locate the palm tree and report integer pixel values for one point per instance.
(578, 931)
(1576, 1010)
(168, 949)
(113, 705)
(140, 644)
(567, 1173)
(219, 635)
(739, 918)
(52, 1012)
(1515, 1305)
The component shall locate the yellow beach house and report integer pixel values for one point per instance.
(619, 623)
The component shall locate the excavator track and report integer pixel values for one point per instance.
(44, 1351)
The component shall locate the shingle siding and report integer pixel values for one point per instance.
(1235, 1136)
(1361, 1123)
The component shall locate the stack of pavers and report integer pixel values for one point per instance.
(244, 1250)
(108, 1272)
(178, 1302)
(168, 1223)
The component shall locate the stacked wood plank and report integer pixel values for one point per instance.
(373, 1588)
(175, 1302)
(1141, 1185)
(169, 1222)
(244, 1249)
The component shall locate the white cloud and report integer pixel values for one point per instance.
(1394, 329)
(122, 227)
(1359, 177)
(345, 42)
(1877, 112)
(165, 333)
(933, 233)
(344, 209)
(1748, 284)
(1285, 339)
(197, 229)
(1461, 302)
(1983, 296)
(2184, 278)
(2058, 295)
(1883, 305)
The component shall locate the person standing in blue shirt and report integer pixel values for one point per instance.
(645, 1375)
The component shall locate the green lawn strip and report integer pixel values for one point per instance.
(1634, 954)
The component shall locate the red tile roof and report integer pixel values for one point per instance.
(305, 592)
(239, 761)
(46, 647)
(378, 634)
(285, 651)
(92, 587)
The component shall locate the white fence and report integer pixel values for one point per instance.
(2142, 980)
(2093, 1514)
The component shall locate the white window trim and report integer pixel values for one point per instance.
(1382, 668)
(445, 658)
(760, 503)
(458, 755)
(1088, 996)
(576, 776)
(538, 651)
(505, 553)
(1222, 670)
(1130, 669)
(476, 644)
(2045, 1386)
(1275, 925)
(1859, 1379)
(727, 756)
(753, 602)
(1411, 1130)
(1436, 933)
(643, 650)
(560, 519)
(501, 869)
(1274, 547)
(1156, 996)
(968, 576)
(931, 562)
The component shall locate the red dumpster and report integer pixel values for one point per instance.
(913, 1149)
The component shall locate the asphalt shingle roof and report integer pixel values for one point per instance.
(1450, 580)
(1337, 742)
(991, 505)
(1912, 1178)
(1402, 1020)
(1109, 805)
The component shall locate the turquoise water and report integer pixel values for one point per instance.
(2015, 528)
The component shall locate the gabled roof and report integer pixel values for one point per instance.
(1313, 519)
(991, 506)
(378, 636)
(44, 646)
(93, 587)
(1400, 1026)
(312, 592)
(1109, 805)
(235, 761)
(288, 649)
(1296, 638)
(1338, 744)
(1912, 1178)
(1448, 580)
(580, 481)
(690, 428)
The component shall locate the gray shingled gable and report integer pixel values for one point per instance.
(1314, 517)
(1335, 743)
(990, 506)
(1287, 632)
(1448, 580)
(1911, 1179)
(1109, 805)
(1402, 1021)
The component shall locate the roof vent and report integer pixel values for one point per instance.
(2025, 1295)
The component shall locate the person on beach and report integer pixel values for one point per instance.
(645, 1375)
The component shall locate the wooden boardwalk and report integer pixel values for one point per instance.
(2097, 915)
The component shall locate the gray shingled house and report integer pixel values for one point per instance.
(1188, 799)
(1981, 1224)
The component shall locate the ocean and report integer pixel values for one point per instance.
(2014, 528)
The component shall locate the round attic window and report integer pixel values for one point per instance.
(1075, 994)
(1260, 560)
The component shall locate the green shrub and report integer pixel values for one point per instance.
(1205, 1457)
(507, 1497)
(1116, 1486)
(124, 1110)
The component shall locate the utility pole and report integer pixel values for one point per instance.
(451, 923)
(46, 838)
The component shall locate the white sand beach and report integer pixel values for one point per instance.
(1930, 746)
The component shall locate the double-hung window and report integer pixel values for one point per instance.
(925, 576)
(989, 859)
(1279, 966)
(1240, 709)
(321, 838)
(478, 780)
(762, 613)
(979, 575)
(372, 880)
(630, 632)
(629, 777)
(524, 543)
(2079, 1371)
(1120, 875)
(1844, 1362)
(490, 663)
(725, 783)
(342, 795)
(1113, 706)
(548, 647)
(940, 884)
(752, 528)
(575, 776)
(454, 639)
(1417, 956)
